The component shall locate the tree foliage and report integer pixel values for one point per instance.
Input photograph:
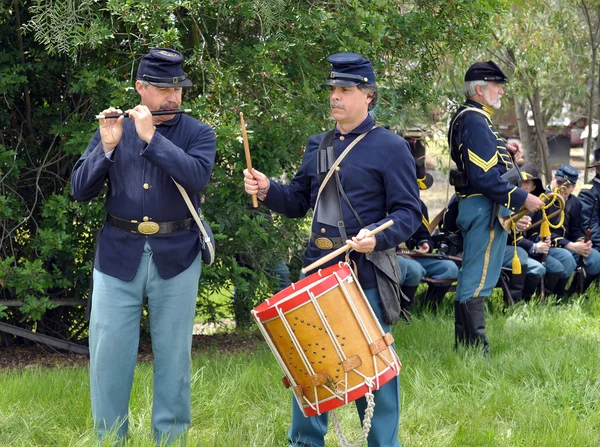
(63, 61)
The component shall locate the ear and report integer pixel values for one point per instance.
(369, 97)
(139, 86)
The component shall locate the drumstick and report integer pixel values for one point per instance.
(247, 151)
(343, 249)
(154, 113)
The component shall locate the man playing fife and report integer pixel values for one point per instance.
(378, 179)
(149, 247)
(482, 157)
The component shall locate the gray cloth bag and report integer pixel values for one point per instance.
(387, 273)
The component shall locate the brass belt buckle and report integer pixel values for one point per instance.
(323, 243)
(148, 227)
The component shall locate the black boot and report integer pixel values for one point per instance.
(560, 290)
(589, 279)
(409, 292)
(407, 301)
(435, 295)
(531, 285)
(550, 281)
(516, 285)
(460, 337)
(473, 312)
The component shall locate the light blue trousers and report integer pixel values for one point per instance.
(483, 249)
(114, 338)
(310, 431)
(411, 272)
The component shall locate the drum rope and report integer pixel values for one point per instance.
(366, 424)
(275, 351)
(355, 310)
(295, 341)
(328, 329)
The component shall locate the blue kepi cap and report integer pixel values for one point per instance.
(161, 67)
(486, 71)
(349, 70)
(567, 173)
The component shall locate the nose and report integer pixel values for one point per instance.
(334, 93)
(501, 91)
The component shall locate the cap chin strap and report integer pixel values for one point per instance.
(171, 80)
(336, 75)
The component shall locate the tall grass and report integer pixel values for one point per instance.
(540, 388)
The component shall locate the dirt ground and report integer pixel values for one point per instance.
(37, 355)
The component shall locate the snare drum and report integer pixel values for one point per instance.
(327, 340)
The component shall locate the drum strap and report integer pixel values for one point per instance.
(331, 212)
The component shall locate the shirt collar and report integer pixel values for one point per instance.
(363, 127)
(477, 104)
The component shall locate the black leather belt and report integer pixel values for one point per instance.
(147, 228)
(327, 243)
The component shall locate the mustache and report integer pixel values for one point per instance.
(337, 104)
(170, 105)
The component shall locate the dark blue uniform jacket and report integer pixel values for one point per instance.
(422, 235)
(572, 228)
(379, 177)
(587, 195)
(183, 148)
(480, 151)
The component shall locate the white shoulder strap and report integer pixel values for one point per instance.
(196, 217)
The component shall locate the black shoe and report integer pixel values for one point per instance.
(409, 297)
(435, 295)
(473, 314)
(530, 287)
(460, 337)
(516, 285)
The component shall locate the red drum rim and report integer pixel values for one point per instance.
(297, 294)
(332, 403)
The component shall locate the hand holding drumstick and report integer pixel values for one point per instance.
(248, 160)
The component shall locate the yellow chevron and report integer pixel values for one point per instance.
(425, 222)
(484, 165)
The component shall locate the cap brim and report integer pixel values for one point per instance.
(339, 83)
(593, 165)
(427, 181)
(184, 83)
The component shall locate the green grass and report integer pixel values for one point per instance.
(541, 388)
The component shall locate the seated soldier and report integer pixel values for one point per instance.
(559, 265)
(571, 234)
(422, 245)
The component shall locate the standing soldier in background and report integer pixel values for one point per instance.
(482, 158)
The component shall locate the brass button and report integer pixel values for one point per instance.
(146, 219)
(337, 168)
(146, 186)
(342, 138)
(154, 127)
(323, 230)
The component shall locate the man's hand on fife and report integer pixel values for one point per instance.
(254, 181)
(362, 244)
(533, 203)
(111, 130)
(144, 126)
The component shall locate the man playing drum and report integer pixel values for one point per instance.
(374, 182)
